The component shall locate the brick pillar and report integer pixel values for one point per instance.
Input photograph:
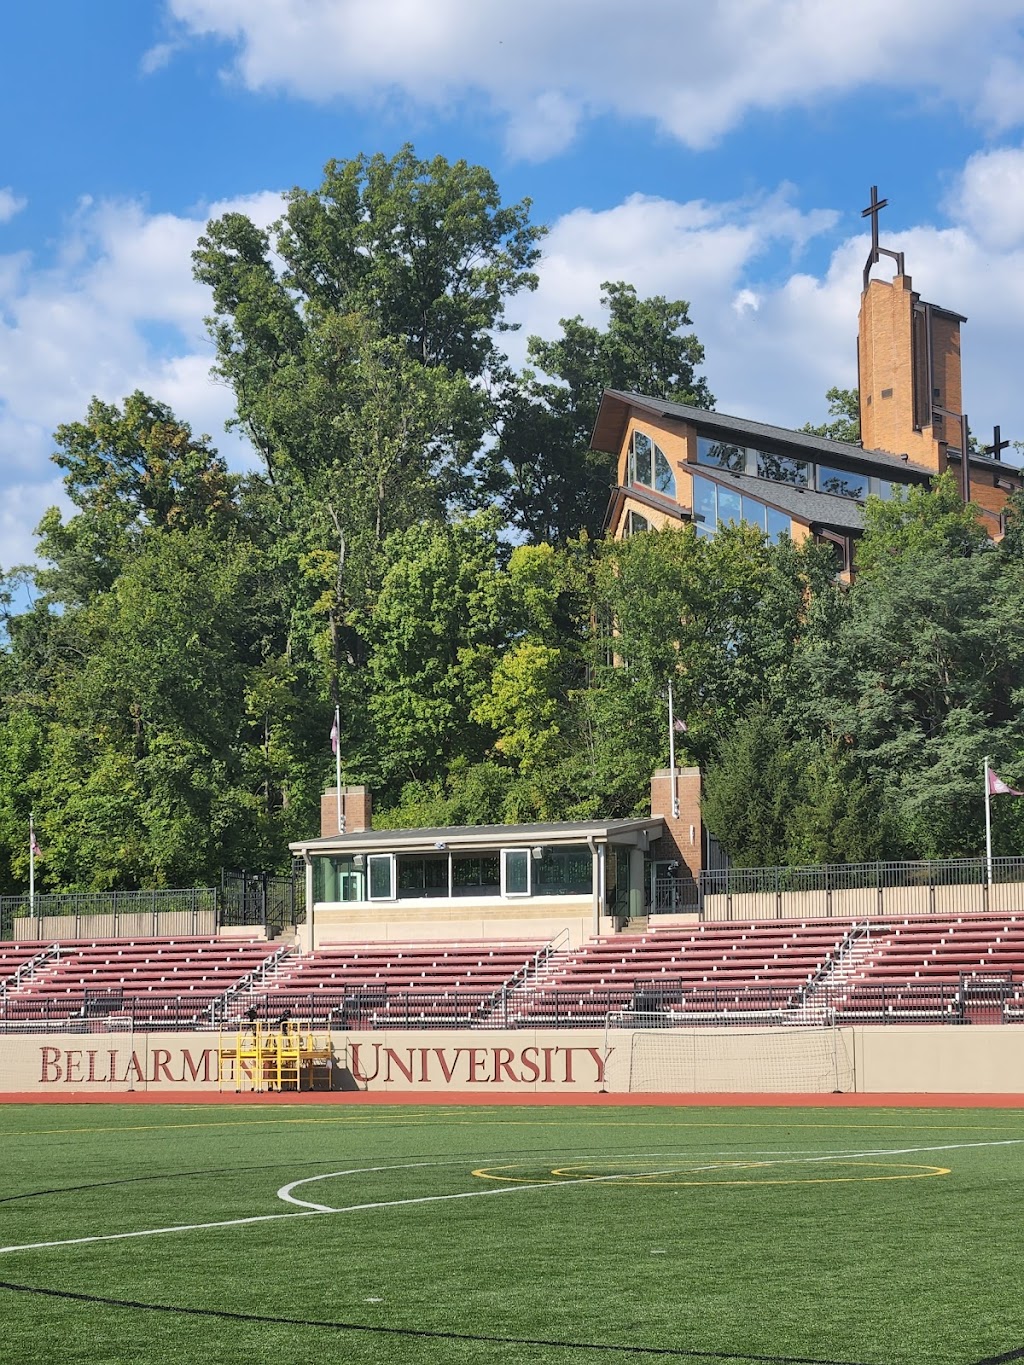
(684, 836)
(356, 810)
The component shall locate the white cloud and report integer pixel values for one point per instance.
(774, 344)
(695, 69)
(989, 197)
(117, 310)
(10, 204)
(157, 57)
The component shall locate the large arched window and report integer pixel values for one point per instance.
(649, 467)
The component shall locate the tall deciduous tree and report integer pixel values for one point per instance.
(422, 253)
(550, 483)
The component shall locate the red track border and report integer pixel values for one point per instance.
(475, 1097)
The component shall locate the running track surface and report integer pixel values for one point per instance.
(460, 1097)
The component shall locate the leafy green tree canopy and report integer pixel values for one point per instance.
(843, 417)
(551, 484)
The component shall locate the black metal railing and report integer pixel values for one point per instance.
(640, 1004)
(197, 904)
(953, 885)
(264, 898)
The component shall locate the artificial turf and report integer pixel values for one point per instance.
(862, 1237)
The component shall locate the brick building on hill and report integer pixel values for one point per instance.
(679, 465)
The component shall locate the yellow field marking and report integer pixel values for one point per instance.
(574, 1174)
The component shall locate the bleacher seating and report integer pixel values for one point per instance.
(414, 982)
(14, 956)
(171, 978)
(916, 969)
(719, 967)
(956, 968)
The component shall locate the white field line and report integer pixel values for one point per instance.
(323, 1210)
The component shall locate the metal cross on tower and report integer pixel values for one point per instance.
(872, 211)
(997, 447)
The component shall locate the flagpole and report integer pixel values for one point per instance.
(31, 866)
(337, 765)
(988, 825)
(672, 755)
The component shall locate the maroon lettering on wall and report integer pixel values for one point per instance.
(189, 1064)
(412, 1066)
(447, 1071)
(50, 1069)
(503, 1065)
(391, 1056)
(161, 1069)
(356, 1066)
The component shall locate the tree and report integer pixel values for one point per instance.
(129, 470)
(923, 675)
(433, 633)
(550, 483)
(422, 254)
(843, 417)
(773, 799)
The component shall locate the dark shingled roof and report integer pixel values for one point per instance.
(483, 834)
(745, 432)
(816, 509)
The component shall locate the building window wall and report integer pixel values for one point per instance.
(635, 523)
(763, 464)
(648, 465)
(515, 872)
(714, 506)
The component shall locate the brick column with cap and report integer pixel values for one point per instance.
(683, 837)
(356, 808)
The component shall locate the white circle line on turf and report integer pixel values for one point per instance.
(322, 1210)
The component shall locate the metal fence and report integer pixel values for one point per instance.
(75, 909)
(264, 898)
(644, 1004)
(256, 899)
(938, 885)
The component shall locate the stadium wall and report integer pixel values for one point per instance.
(919, 1060)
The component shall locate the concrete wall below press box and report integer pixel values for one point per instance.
(867, 902)
(135, 924)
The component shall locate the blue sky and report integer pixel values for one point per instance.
(718, 153)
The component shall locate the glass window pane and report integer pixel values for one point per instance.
(755, 512)
(636, 523)
(721, 455)
(422, 875)
(564, 872)
(782, 468)
(842, 482)
(730, 505)
(704, 505)
(642, 451)
(381, 879)
(517, 871)
(472, 876)
(778, 525)
(338, 879)
(664, 479)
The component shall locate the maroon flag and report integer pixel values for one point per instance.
(334, 736)
(997, 787)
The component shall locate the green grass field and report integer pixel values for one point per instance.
(547, 1235)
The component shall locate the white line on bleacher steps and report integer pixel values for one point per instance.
(324, 1210)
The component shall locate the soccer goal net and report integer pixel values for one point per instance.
(732, 1059)
(97, 1051)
